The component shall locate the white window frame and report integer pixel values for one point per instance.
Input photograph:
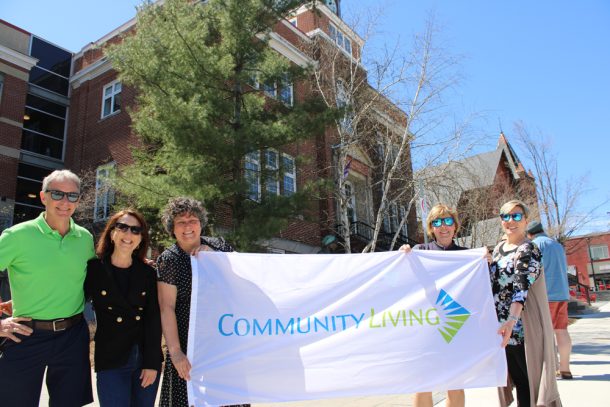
(273, 90)
(104, 193)
(270, 89)
(112, 96)
(332, 32)
(340, 38)
(286, 85)
(253, 165)
(272, 183)
(289, 175)
(347, 44)
(599, 252)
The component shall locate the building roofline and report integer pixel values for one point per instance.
(296, 30)
(334, 18)
(288, 50)
(592, 234)
(397, 128)
(14, 27)
(94, 70)
(276, 42)
(17, 58)
(94, 44)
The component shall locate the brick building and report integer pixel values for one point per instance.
(59, 109)
(587, 255)
(34, 88)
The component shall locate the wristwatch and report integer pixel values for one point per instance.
(512, 318)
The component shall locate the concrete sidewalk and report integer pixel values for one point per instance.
(590, 365)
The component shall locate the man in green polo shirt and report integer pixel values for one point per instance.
(46, 260)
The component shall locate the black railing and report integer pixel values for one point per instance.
(362, 233)
(582, 291)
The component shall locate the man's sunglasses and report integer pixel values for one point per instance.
(516, 217)
(123, 227)
(59, 195)
(439, 221)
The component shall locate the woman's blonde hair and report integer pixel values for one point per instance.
(510, 205)
(441, 211)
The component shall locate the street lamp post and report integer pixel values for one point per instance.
(592, 265)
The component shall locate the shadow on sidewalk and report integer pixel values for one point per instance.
(594, 315)
(591, 378)
(589, 362)
(591, 349)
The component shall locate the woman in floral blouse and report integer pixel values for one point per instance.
(516, 264)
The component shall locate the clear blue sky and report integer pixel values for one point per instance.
(546, 63)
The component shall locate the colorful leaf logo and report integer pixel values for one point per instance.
(455, 315)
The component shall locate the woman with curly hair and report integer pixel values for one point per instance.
(184, 219)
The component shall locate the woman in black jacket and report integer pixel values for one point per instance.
(124, 294)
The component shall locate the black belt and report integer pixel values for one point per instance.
(55, 325)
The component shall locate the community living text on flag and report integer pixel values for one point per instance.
(271, 327)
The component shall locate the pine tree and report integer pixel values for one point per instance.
(195, 67)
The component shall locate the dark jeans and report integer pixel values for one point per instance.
(64, 354)
(122, 387)
(517, 368)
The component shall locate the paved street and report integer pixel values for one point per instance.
(590, 367)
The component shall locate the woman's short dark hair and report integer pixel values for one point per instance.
(105, 246)
(183, 206)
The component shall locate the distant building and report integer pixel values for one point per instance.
(588, 256)
(34, 89)
(477, 186)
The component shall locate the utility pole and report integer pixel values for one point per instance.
(592, 265)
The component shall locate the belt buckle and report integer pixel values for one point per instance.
(55, 329)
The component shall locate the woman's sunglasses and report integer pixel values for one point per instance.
(439, 221)
(516, 217)
(59, 195)
(123, 227)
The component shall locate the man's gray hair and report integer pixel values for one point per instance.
(183, 206)
(61, 175)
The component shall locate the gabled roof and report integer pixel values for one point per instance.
(446, 182)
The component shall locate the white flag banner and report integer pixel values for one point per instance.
(275, 327)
